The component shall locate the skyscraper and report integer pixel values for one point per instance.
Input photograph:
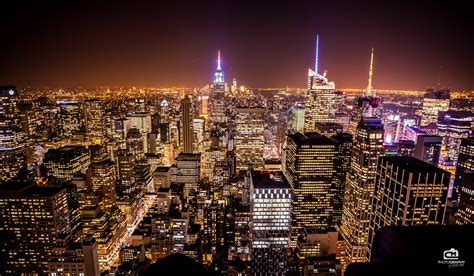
(95, 120)
(108, 228)
(408, 191)
(433, 103)
(141, 121)
(164, 111)
(368, 104)
(75, 259)
(249, 139)
(465, 163)
(214, 225)
(125, 163)
(121, 128)
(392, 126)
(135, 143)
(297, 118)
(101, 180)
(453, 126)
(28, 116)
(344, 150)
(428, 148)
(204, 111)
(187, 124)
(406, 148)
(311, 161)
(12, 152)
(270, 209)
(188, 171)
(321, 104)
(359, 189)
(70, 118)
(218, 94)
(64, 162)
(162, 177)
(465, 212)
(33, 219)
(234, 88)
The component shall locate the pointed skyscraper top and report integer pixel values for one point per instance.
(317, 55)
(219, 74)
(369, 90)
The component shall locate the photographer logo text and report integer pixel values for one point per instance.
(451, 258)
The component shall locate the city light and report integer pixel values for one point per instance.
(207, 148)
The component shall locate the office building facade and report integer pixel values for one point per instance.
(187, 125)
(359, 189)
(408, 191)
(249, 140)
(270, 210)
(311, 161)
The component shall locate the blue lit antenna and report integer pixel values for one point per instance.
(317, 54)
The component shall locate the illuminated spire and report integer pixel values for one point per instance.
(219, 74)
(371, 71)
(317, 55)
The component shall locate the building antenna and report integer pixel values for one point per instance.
(317, 54)
(371, 72)
(439, 76)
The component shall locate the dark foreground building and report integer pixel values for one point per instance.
(419, 250)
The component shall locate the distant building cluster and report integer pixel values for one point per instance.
(242, 181)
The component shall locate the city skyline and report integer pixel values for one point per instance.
(228, 171)
(89, 47)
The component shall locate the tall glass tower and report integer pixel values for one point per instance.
(322, 103)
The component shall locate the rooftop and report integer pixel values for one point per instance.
(163, 190)
(342, 137)
(411, 164)
(373, 123)
(311, 138)
(29, 190)
(67, 152)
(162, 169)
(188, 157)
(267, 180)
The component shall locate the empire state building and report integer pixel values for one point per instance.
(218, 95)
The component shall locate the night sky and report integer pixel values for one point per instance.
(263, 43)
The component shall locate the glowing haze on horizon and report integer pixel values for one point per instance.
(261, 44)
